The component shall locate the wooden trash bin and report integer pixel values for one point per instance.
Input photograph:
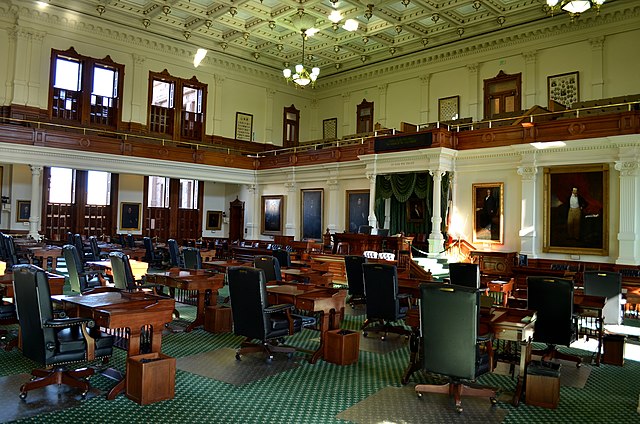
(151, 377)
(218, 319)
(543, 384)
(614, 345)
(342, 347)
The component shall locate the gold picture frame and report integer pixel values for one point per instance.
(312, 205)
(23, 210)
(130, 216)
(357, 210)
(449, 108)
(580, 224)
(272, 215)
(564, 88)
(488, 212)
(214, 220)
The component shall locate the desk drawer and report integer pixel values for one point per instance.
(508, 334)
(305, 304)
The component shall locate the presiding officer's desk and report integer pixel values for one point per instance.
(513, 327)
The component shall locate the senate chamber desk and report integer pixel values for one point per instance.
(136, 312)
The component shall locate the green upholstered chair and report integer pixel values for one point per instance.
(192, 258)
(79, 279)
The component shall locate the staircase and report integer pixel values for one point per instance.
(439, 268)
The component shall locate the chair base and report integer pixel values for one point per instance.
(383, 327)
(457, 390)
(46, 377)
(267, 347)
(552, 352)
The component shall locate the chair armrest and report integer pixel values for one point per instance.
(278, 308)
(67, 322)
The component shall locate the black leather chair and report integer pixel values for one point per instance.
(123, 277)
(556, 324)
(450, 317)
(283, 256)
(383, 232)
(175, 260)
(152, 256)
(85, 252)
(607, 284)
(270, 266)
(129, 242)
(383, 299)
(53, 342)
(254, 318)
(355, 279)
(10, 249)
(96, 254)
(79, 279)
(464, 274)
(192, 258)
(365, 229)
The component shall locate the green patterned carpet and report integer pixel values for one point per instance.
(318, 393)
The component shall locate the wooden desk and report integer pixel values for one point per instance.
(590, 307)
(56, 283)
(205, 283)
(117, 310)
(53, 252)
(308, 276)
(221, 266)
(328, 302)
(504, 288)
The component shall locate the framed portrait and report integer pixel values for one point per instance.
(24, 210)
(130, 216)
(576, 204)
(214, 220)
(312, 207)
(357, 212)
(272, 215)
(415, 210)
(488, 216)
(564, 88)
(330, 129)
(244, 126)
(448, 108)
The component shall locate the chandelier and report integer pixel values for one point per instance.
(575, 7)
(302, 77)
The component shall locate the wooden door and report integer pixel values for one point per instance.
(236, 220)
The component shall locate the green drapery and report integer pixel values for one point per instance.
(399, 188)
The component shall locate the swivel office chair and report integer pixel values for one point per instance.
(608, 285)
(464, 274)
(79, 279)
(270, 266)
(192, 258)
(355, 279)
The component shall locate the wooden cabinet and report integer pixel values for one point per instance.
(494, 263)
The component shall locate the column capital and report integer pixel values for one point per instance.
(291, 186)
(251, 188)
(527, 172)
(597, 43)
(270, 93)
(437, 173)
(332, 183)
(346, 96)
(628, 168)
(425, 78)
(473, 68)
(36, 169)
(371, 176)
(138, 59)
(530, 57)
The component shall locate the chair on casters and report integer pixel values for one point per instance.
(175, 260)
(355, 280)
(254, 318)
(271, 267)
(54, 342)
(556, 324)
(450, 316)
(383, 299)
(283, 256)
(464, 274)
(192, 258)
(79, 280)
(152, 256)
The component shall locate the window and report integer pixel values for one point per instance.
(291, 130)
(189, 194)
(168, 115)
(98, 188)
(85, 90)
(61, 185)
(502, 94)
(158, 192)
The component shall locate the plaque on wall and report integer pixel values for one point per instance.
(244, 126)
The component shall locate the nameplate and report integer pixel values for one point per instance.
(403, 142)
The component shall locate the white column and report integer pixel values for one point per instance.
(268, 131)
(530, 59)
(597, 72)
(315, 133)
(424, 99)
(475, 106)
(436, 239)
(387, 213)
(291, 209)
(35, 56)
(36, 191)
(217, 105)
(20, 38)
(628, 240)
(528, 233)
(381, 105)
(333, 207)
(347, 114)
(372, 200)
(252, 212)
(138, 99)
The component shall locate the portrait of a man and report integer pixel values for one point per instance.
(272, 214)
(214, 220)
(357, 209)
(24, 210)
(488, 213)
(415, 210)
(130, 216)
(312, 214)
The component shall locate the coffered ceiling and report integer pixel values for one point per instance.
(268, 31)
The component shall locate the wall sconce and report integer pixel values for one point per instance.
(5, 199)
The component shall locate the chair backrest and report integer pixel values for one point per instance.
(33, 304)
(248, 297)
(10, 248)
(355, 279)
(123, 278)
(150, 255)
(383, 232)
(552, 298)
(192, 258)
(381, 290)
(270, 266)
(3, 249)
(174, 252)
(74, 266)
(283, 257)
(607, 284)
(464, 274)
(370, 254)
(365, 229)
(129, 241)
(342, 248)
(449, 317)
(387, 256)
(95, 249)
